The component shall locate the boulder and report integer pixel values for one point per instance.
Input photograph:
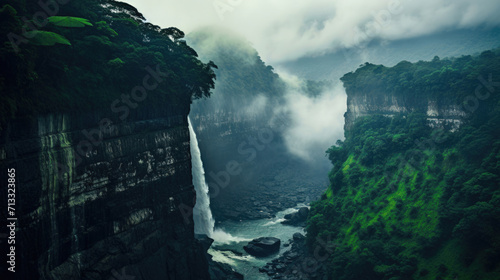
(297, 218)
(298, 236)
(263, 246)
(303, 212)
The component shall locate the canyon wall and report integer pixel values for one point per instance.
(104, 202)
(361, 104)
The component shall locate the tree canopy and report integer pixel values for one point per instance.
(51, 66)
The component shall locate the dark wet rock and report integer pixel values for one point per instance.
(298, 236)
(291, 264)
(298, 218)
(114, 211)
(280, 268)
(263, 246)
(223, 271)
(204, 240)
(258, 215)
(232, 215)
(242, 200)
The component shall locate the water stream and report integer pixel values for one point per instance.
(202, 215)
(230, 236)
(231, 251)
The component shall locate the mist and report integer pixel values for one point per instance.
(308, 122)
(314, 122)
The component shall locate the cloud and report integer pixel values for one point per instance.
(315, 122)
(283, 30)
(308, 116)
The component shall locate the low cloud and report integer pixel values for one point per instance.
(315, 122)
(286, 30)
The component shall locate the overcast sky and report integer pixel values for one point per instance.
(283, 30)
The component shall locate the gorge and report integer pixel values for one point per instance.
(140, 152)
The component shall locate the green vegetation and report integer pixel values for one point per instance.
(408, 200)
(46, 38)
(69, 21)
(446, 80)
(54, 66)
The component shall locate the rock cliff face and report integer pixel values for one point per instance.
(247, 144)
(226, 136)
(109, 202)
(362, 104)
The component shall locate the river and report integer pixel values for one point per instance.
(230, 237)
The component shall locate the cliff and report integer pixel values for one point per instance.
(115, 210)
(94, 131)
(414, 88)
(409, 199)
(360, 104)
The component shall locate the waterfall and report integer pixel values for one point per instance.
(202, 215)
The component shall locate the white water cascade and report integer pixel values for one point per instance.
(202, 215)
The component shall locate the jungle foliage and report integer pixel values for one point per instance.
(448, 80)
(85, 54)
(409, 199)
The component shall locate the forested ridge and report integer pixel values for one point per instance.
(82, 55)
(448, 80)
(242, 76)
(242, 71)
(412, 200)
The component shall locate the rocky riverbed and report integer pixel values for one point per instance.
(297, 263)
(252, 209)
(276, 190)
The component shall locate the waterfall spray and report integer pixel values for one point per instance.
(202, 215)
